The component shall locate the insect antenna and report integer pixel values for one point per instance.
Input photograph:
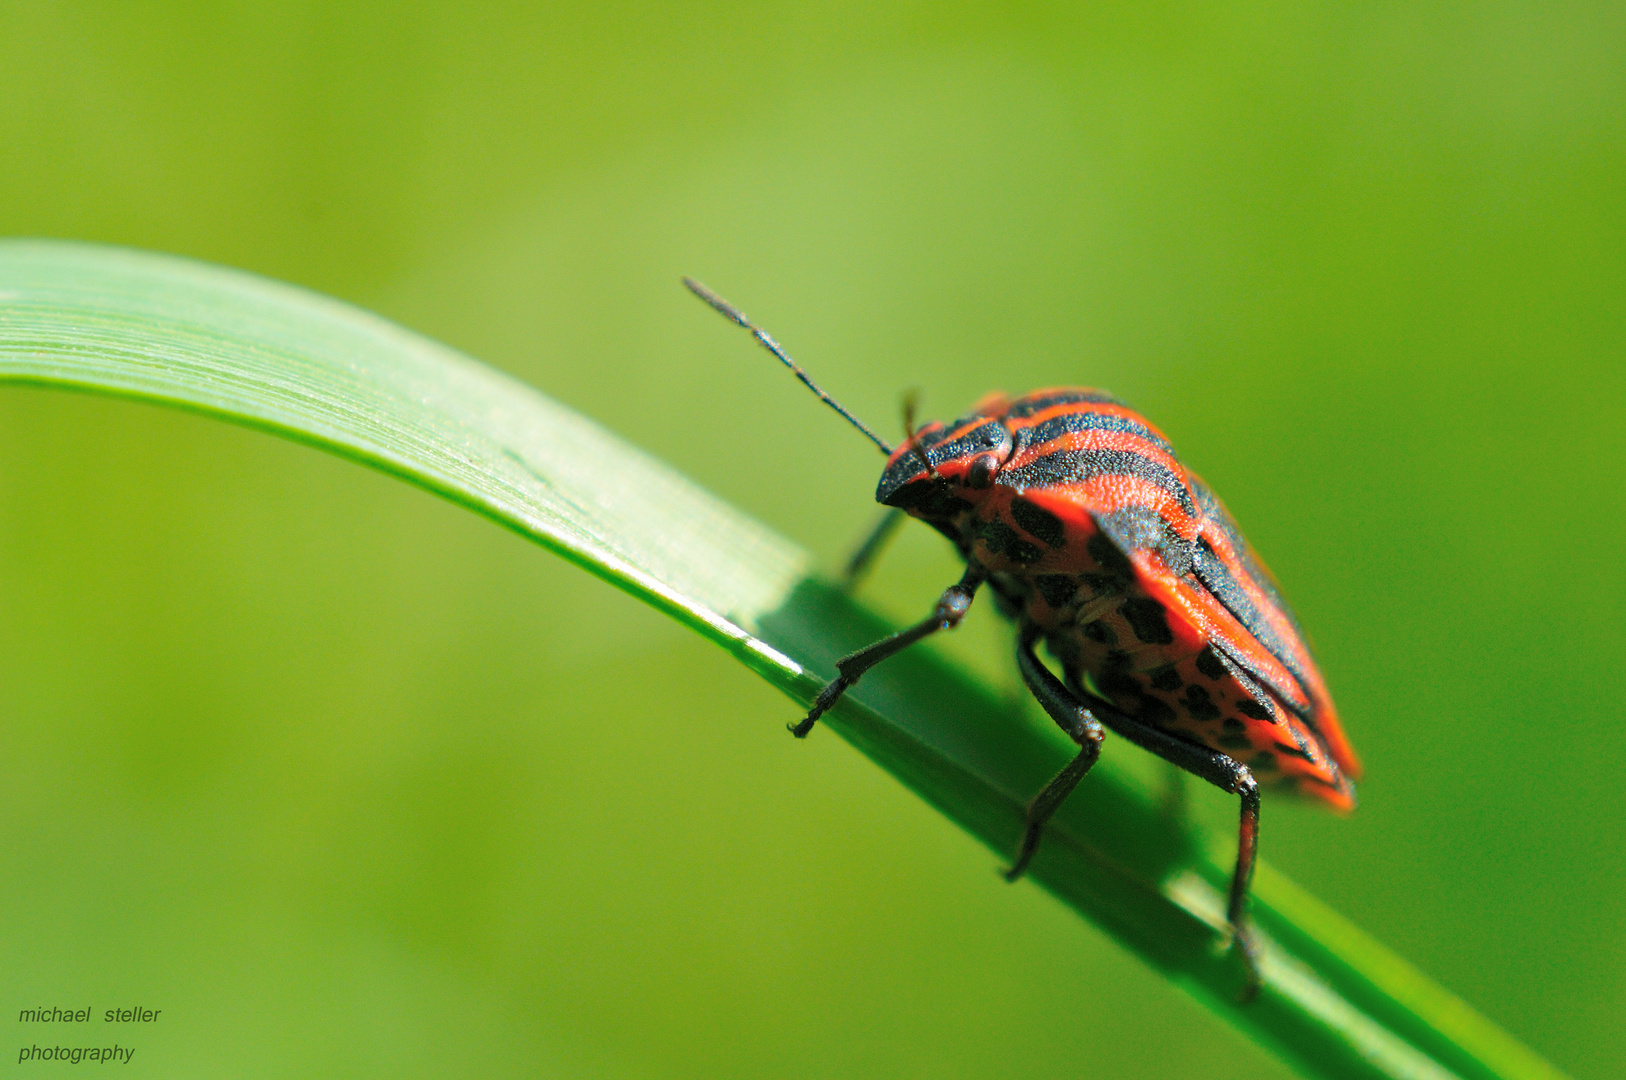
(733, 313)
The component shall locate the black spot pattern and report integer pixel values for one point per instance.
(1256, 709)
(1199, 705)
(1057, 589)
(997, 535)
(1235, 742)
(1114, 564)
(1002, 540)
(1103, 584)
(1234, 726)
(1168, 680)
(1148, 620)
(1098, 631)
(1156, 711)
(1117, 684)
(1038, 522)
(1209, 663)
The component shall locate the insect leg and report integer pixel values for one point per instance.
(864, 556)
(1226, 774)
(1070, 714)
(951, 608)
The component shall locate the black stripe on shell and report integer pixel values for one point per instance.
(1218, 579)
(1135, 528)
(990, 435)
(1028, 406)
(1077, 466)
(1214, 512)
(1258, 702)
(1082, 420)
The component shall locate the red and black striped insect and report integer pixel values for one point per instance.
(1093, 538)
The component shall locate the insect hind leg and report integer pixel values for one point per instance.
(1228, 775)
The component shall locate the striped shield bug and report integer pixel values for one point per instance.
(1074, 511)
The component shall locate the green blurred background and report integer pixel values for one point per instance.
(352, 783)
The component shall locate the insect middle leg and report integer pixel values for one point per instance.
(1226, 774)
(874, 542)
(1071, 716)
(951, 608)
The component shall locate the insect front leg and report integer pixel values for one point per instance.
(1072, 717)
(1226, 774)
(951, 608)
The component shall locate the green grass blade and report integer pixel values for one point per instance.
(283, 360)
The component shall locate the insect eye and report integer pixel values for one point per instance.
(982, 470)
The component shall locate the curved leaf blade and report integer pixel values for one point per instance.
(283, 360)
